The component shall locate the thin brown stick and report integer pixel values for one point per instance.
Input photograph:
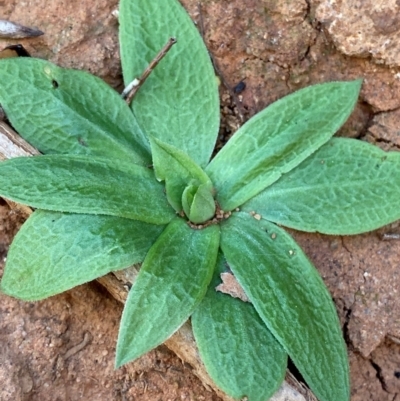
(137, 83)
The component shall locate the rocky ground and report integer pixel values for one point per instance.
(63, 348)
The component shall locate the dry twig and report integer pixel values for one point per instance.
(12, 30)
(131, 90)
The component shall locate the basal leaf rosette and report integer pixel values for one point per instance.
(122, 185)
(172, 203)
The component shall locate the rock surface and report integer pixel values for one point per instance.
(368, 28)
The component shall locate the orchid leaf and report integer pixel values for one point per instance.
(179, 102)
(239, 352)
(53, 252)
(171, 282)
(59, 110)
(345, 187)
(291, 299)
(278, 139)
(80, 184)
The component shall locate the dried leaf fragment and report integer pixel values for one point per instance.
(13, 30)
(231, 287)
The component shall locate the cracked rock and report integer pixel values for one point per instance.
(385, 131)
(375, 33)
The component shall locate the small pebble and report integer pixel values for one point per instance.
(240, 87)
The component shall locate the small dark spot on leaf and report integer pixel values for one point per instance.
(82, 142)
(54, 83)
(397, 375)
(240, 87)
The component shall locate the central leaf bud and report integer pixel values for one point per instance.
(198, 203)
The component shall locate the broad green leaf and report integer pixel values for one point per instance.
(346, 187)
(80, 184)
(179, 102)
(171, 282)
(198, 203)
(59, 110)
(239, 352)
(53, 252)
(291, 299)
(177, 170)
(278, 139)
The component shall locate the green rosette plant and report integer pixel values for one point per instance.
(120, 185)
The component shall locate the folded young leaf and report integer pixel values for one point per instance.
(172, 281)
(53, 252)
(291, 299)
(278, 139)
(177, 169)
(240, 354)
(59, 110)
(346, 187)
(198, 203)
(80, 184)
(179, 102)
